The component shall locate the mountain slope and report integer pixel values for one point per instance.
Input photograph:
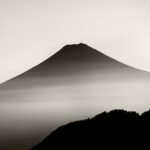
(77, 56)
(73, 61)
(80, 57)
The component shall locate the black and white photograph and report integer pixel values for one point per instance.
(74, 74)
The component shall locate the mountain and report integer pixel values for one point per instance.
(76, 82)
(116, 129)
(73, 61)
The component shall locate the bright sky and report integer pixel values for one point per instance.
(32, 30)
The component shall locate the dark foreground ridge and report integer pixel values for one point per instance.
(116, 129)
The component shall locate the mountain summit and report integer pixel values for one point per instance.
(74, 59)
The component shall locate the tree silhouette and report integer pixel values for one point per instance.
(108, 130)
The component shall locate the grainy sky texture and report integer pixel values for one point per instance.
(32, 30)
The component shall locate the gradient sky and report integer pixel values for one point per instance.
(32, 30)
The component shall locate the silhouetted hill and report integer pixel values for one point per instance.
(117, 128)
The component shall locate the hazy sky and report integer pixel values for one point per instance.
(32, 30)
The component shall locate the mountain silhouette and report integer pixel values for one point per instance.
(74, 59)
(115, 129)
(76, 82)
